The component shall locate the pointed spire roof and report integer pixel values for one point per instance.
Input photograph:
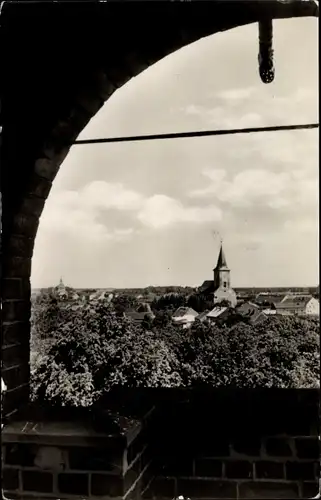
(221, 261)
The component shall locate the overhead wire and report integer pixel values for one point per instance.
(201, 133)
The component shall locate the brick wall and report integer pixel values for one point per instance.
(69, 459)
(230, 444)
(262, 445)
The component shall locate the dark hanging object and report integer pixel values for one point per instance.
(266, 66)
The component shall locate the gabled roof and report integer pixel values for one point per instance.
(294, 302)
(269, 298)
(137, 317)
(207, 286)
(184, 311)
(216, 312)
(202, 315)
(251, 312)
(247, 305)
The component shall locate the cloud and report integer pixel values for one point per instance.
(259, 187)
(101, 194)
(79, 214)
(237, 94)
(160, 211)
(76, 213)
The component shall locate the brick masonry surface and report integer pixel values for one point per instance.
(37, 467)
(239, 444)
(264, 445)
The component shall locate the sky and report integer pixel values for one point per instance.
(152, 213)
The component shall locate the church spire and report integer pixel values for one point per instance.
(221, 261)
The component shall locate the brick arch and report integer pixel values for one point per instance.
(81, 71)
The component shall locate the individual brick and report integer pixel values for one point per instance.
(177, 466)
(96, 460)
(16, 310)
(163, 487)
(247, 446)
(204, 488)
(107, 485)
(37, 481)
(310, 489)
(15, 288)
(39, 187)
(21, 245)
(20, 454)
(208, 467)
(238, 469)
(308, 448)
(10, 479)
(32, 205)
(15, 376)
(14, 333)
(17, 398)
(262, 489)
(26, 225)
(15, 354)
(278, 447)
(73, 484)
(269, 470)
(300, 470)
(47, 168)
(217, 447)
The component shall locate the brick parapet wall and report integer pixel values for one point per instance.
(69, 460)
(238, 444)
(220, 446)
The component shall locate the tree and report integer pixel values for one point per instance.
(169, 302)
(162, 319)
(147, 322)
(200, 302)
(88, 349)
(95, 350)
(124, 302)
(283, 352)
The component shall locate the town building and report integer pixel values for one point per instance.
(251, 313)
(61, 290)
(269, 300)
(139, 317)
(300, 305)
(184, 316)
(220, 287)
(218, 314)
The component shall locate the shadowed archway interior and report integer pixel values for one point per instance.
(64, 65)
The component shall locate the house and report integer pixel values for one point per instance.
(269, 312)
(218, 313)
(303, 305)
(202, 317)
(184, 316)
(144, 307)
(251, 312)
(101, 295)
(138, 317)
(269, 300)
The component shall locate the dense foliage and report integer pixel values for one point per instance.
(81, 350)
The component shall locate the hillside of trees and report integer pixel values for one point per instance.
(81, 350)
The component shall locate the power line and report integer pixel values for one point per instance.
(202, 133)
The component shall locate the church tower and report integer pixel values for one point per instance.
(222, 281)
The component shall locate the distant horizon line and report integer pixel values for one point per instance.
(171, 286)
